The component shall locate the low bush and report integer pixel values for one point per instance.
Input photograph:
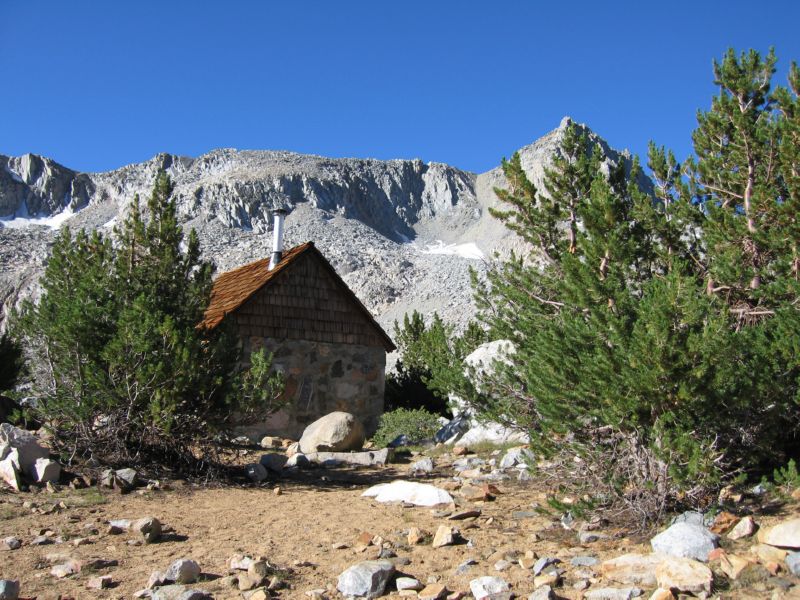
(417, 424)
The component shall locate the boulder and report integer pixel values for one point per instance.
(366, 579)
(27, 447)
(256, 472)
(148, 527)
(685, 540)
(684, 574)
(484, 588)
(9, 589)
(335, 432)
(782, 535)
(46, 470)
(128, 477)
(493, 433)
(274, 462)
(418, 494)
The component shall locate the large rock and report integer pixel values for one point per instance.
(783, 535)
(183, 570)
(685, 540)
(685, 575)
(335, 432)
(609, 593)
(26, 445)
(366, 579)
(419, 494)
(369, 458)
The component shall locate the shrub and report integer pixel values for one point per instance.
(417, 424)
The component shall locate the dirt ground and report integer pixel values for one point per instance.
(296, 531)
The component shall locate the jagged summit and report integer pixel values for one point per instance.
(400, 232)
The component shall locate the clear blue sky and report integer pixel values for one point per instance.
(96, 85)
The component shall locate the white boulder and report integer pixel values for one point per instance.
(335, 432)
(26, 445)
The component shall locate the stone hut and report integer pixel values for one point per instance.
(330, 349)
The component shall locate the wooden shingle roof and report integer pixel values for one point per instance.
(233, 288)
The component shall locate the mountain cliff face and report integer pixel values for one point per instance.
(401, 233)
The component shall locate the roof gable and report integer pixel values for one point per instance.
(234, 288)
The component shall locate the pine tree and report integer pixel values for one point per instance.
(12, 362)
(127, 373)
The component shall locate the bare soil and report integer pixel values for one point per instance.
(297, 529)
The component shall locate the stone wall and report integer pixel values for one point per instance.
(322, 378)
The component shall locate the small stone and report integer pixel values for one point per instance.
(149, 528)
(543, 593)
(589, 537)
(71, 567)
(793, 563)
(632, 569)
(744, 528)
(277, 491)
(9, 589)
(424, 465)
(484, 588)
(433, 591)
(465, 514)
(128, 476)
(407, 583)
(11, 543)
(460, 451)
(544, 562)
(183, 570)
(445, 536)
(581, 584)
(610, 593)
(723, 522)
(502, 565)
(415, 536)
(473, 493)
(239, 562)
(732, 565)
(583, 561)
(367, 579)
(551, 578)
(527, 562)
(662, 594)
(465, 566)
(100, 583)
(258, 571)
(46, 471)
(684, 574)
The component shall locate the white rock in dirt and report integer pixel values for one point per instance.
(419, 494)
(335, 432)
(9, 589)
(366, 579)
(516, 456)
(782, 535)
(239, 562)
(26, 444)
(183, 570)
(70, 567)
(632, 569)
(128, 476)
(408, 583)
(492, 433)
(686, 540)
(256, 472)
(423, 465)
(445, 536)
(298, 460)
(684, 574)
(484, 588)
(46, 470)
(610, 593)
(9, 470)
